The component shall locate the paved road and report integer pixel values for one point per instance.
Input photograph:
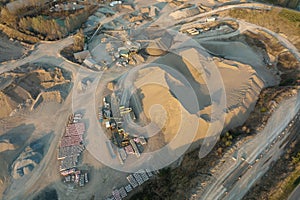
(295, 194)
(269, 155)
(266, 147)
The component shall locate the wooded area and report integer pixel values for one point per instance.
(45, 27)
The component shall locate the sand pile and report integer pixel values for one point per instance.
(185, 12)
(5, 145)
(7, 105)
(12, 143)
(29, 84)
(234, 50)
(151, 11)
(160, 45)
(162, 106)
(51, 96)
(243, 86)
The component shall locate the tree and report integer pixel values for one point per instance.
(68, 24)
(8, 18)
(25, 24)
(296, 159)
(79, 41)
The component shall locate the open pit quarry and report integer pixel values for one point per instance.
(128, 101)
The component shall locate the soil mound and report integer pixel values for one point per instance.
(30, 85)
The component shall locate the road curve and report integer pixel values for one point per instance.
(295, 194)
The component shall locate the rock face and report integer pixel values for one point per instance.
(32, 84)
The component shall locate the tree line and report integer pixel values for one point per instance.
(45, 27)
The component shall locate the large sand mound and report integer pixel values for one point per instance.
(7, 105)
(241, 82)
(32, 83)
(162, 107)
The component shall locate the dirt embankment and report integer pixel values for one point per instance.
(10, 49)
(275, 56)
(278, 20)
(30, 85)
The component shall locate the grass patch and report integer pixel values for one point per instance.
(288, 185)
(291, 15)
(277, 20)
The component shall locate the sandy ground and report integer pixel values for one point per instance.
(27, 130)
(28, 126)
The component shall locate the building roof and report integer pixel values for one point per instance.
(82, 55)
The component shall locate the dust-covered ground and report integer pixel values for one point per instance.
(9, 49)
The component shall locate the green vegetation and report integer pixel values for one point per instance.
(277, 20)
(288, 185)
(68, 52)
(8, 18)
(42, 24)
(78, 41)
(291, 15)
(50, 29)
(44, 28)
(285, 3)
(296, 159)
(227, 139)
(263, 109)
